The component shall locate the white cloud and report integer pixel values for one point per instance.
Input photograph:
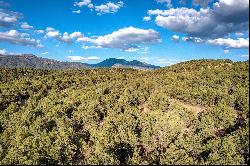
(91, 6)
(230, 43)
(108, 7)
(245, 56)
(25, 25)
(50, 29)
(76, 35)
(51, 32)
(157, 12)
(44, 53)
(192, 39)
(131, 50)
(163, 1)
(85, 39)
(82, 3)
(3, 51)
(39, 31)
(80, 58)
(15, 37)
(223, 18)
(226, 51)
(66, 37)
(90, 47)
(76, 11)
(93, 58)
(238, 34)
(175, 38)
(184, 20)
(8, 18)
(143, 52)
(128, 38)
(76, 58)
(146, 18)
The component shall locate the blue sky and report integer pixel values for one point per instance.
(160, 32)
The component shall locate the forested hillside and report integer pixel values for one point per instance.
(195, 112)
(32, 61)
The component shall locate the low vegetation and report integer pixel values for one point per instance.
(195, 112)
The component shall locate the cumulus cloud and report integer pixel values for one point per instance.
(93, 58)
(8, 18)
(85, 39)
(226, 51)
(108, 8)
(143, 50)
(238, 34)
(82, 3)
(230, 43)
(192, 39)
(44, 53)
(189, 21)
(39, 31)
(90, 47)
(76, 35)
(3, 51)
(245, 56)
(15, 37)
(80, 58)
(65, 37)
(76, 11)
(231, 11)
(225, 17)
(131, 50)
(128, 38)
(25, 25)
(175, 38)
(146, 18)
(51, 32)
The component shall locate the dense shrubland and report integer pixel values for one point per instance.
(194, 112)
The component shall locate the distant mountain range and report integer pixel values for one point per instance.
(113, 62)
(32, 61)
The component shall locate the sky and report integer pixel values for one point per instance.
(159, 32)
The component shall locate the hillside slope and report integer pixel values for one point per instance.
(32, 61)
(195, 112)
